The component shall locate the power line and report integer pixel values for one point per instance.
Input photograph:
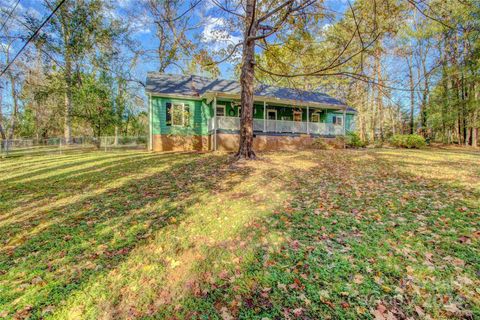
(33, 36)
(9, 15)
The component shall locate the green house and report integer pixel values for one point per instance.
(198, 113)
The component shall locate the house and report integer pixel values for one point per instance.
(198, 113)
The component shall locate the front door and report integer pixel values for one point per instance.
(271, 114)
(271, 123)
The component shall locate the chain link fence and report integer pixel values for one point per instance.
(23, 147)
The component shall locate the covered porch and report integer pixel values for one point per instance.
(281, 118)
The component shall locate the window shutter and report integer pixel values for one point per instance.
(334, 119)
(186, 115)
(168, 107)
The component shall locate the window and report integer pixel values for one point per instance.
(338, 120)
(178, 114)
(315, 117)
(297, 115)
(220, 110)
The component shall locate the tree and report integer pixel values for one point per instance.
(75, 28)
(259, 21)
(172, 30)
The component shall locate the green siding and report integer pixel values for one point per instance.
(330, 114)
(200, 112)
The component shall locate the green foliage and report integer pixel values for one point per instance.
(353, 140)
(410, 141)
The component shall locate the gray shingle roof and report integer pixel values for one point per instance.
(197, 86)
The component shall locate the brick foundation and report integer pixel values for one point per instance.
(229, 142)
(164, 142)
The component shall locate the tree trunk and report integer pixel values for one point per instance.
(13, 119)
(115, 142)
(475, 137)
(245, 149)
(68, 103)
(425, 94)
(3, 136)
(67, 129)
(412, 99)
(378, 71)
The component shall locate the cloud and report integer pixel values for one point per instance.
(140, 27)
(326, 26)
(216, 33)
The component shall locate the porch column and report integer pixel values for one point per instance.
(150, 124)
(264, 116)
(308, 120)
(215, 123)
(345, 121)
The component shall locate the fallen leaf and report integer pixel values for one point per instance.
(358, 279)
(452, 308)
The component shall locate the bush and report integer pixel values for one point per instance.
(353, 141)
(410, 141)
(320, 144)
(397, 140)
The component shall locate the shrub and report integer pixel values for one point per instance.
(397, 140)
(410, 141)
(320, 144)
(353, 141)
(415, 141)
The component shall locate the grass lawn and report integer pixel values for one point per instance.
(340, 234)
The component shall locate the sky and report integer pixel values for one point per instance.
(210, 29)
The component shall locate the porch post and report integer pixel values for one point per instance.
(214, 123)
(264, 116)
(308, 120)
(345, 121)
(150, 124)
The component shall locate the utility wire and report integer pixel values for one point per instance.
(33, 36)
(9, 15)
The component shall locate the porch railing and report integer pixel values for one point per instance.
(278, 126)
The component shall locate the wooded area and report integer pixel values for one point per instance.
(407, 66)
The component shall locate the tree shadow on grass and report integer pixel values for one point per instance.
(22, 200)
(351, 235)
(59, 252)
(296, 235)
(97, 159)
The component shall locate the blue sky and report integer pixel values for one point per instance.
(210, 30)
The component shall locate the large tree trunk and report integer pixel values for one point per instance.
(245, 149)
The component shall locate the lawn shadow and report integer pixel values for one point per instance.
(60, 251)
(348, 231)
(293, 235)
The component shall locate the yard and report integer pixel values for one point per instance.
(375, 234)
